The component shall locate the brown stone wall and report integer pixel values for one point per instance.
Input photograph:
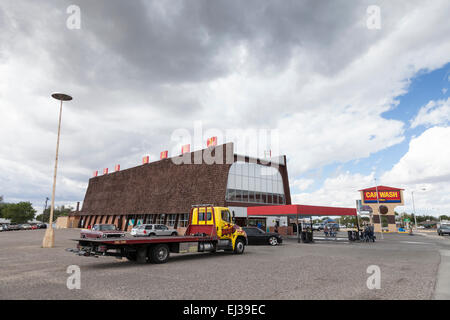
(157, 187)
(162, 187)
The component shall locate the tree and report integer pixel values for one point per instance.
(2, 205)
(347, 220)
(21, 212)
(58, 212)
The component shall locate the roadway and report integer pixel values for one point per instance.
(412, 267)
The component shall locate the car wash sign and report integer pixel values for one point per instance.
(384, 195)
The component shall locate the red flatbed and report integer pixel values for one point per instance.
(144, 240)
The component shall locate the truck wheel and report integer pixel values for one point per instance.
(131, 256)
(159, 253)
(151, 234)
(141, 255)
(239, 246)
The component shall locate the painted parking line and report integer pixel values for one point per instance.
(331, 239)
(416, 242)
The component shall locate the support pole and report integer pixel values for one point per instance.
(49, 238)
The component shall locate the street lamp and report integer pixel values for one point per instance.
(49, 238)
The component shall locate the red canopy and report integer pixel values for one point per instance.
(298, 209)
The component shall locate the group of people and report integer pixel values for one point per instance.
(329, 231)
(367, 234)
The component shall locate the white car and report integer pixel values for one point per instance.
(147, 230)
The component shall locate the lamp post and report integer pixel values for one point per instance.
(49, 237)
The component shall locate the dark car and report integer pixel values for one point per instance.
(443, 229)
(258, 236)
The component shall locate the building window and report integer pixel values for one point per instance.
(183, 220)
(161, 219)
(171, 218)
(149, 218)
(254, 183)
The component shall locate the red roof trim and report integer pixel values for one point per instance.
(302, 210)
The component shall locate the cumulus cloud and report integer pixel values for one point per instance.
(301, 184)
(427, 160)
(433, 113)
(340, 190)
(424, 170)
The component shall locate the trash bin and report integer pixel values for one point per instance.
(303, 236)
(309, 236)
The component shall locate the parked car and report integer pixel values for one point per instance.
(34, 226)
(102, 231)
(13, 227)
(443, 229)
(42, 226)
(147, 230)
(25, 226)
(318, 226)
(258, 236)
(4, 227)
(341, 226)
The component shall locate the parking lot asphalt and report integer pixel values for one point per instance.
(323, 270)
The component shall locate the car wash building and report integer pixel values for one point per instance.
(163, 191)
(382, 201)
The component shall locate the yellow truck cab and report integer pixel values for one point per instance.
(217, 222)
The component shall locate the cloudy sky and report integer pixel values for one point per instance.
(350, 102)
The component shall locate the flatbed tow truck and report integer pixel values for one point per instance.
(210, 229)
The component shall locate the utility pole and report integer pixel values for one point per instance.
(379, 213)
(49, 237)
(414, 209)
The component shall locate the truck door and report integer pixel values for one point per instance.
(224, 227)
